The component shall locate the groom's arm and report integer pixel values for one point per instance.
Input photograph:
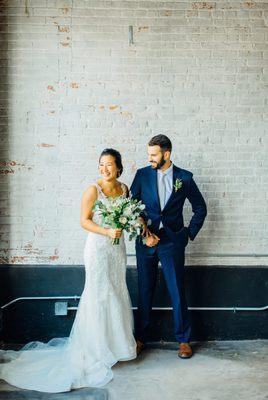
(199, 209)
(135, 192)
(135, 188)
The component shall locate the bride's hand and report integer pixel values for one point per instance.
(114, 233)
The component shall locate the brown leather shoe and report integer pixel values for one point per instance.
(140, 347)
(185, 350)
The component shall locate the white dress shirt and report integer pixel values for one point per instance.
(168, 183)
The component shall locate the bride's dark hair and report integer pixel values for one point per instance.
(117, 157)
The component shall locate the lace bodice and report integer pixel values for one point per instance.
(102, 197)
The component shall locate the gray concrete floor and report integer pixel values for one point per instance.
(217, 371)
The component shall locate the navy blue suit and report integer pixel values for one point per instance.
(170, 251)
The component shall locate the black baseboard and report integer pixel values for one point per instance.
(206, 286)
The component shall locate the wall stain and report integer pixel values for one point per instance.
(65, 29)
(126, 114)
(45, 145)
(65, 44)
(113, 107)
(55, 256)
(26, 8)
(192, 13)
(249, 4)
(143, 28)
(65, 10)
(74, 85)
(51, 88)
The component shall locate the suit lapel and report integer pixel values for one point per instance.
(155, 186)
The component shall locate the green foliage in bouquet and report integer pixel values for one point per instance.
(121, 213)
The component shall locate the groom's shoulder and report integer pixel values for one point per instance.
(184, 173)
(144, 170)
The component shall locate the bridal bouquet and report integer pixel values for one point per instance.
(121, 213)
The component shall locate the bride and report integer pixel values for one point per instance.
(102, 332)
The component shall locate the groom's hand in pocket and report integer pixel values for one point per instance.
(151, 239)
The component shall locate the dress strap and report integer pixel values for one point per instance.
(124, 189)
(100, 192)
(98, 188)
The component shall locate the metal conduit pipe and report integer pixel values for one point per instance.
(234, 308)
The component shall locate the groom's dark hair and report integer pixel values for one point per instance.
(162, 141)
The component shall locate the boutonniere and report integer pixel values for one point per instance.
(178, 184)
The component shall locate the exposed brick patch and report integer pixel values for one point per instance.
(126, 114)
(65, 44)
(249, 4)
(203, 5)
(168, 13)
(143, 28)
(64, 29)
(29, 249)
(65, 10)
(17, 260)
(12, 166)
(7, 171)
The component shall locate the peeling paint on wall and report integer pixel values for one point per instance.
(45, 145)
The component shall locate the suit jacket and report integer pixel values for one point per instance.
(144, 188)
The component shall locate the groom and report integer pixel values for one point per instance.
(163, 188)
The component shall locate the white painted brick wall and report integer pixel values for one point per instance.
(71, 85)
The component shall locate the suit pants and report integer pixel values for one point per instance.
(172, 261)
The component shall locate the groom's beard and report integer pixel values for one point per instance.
(160, 164)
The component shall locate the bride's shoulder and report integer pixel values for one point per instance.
(91, 191)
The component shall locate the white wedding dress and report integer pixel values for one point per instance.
(101, 335)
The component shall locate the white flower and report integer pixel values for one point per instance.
(127, 211)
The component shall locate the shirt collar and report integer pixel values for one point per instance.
(167, 171)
